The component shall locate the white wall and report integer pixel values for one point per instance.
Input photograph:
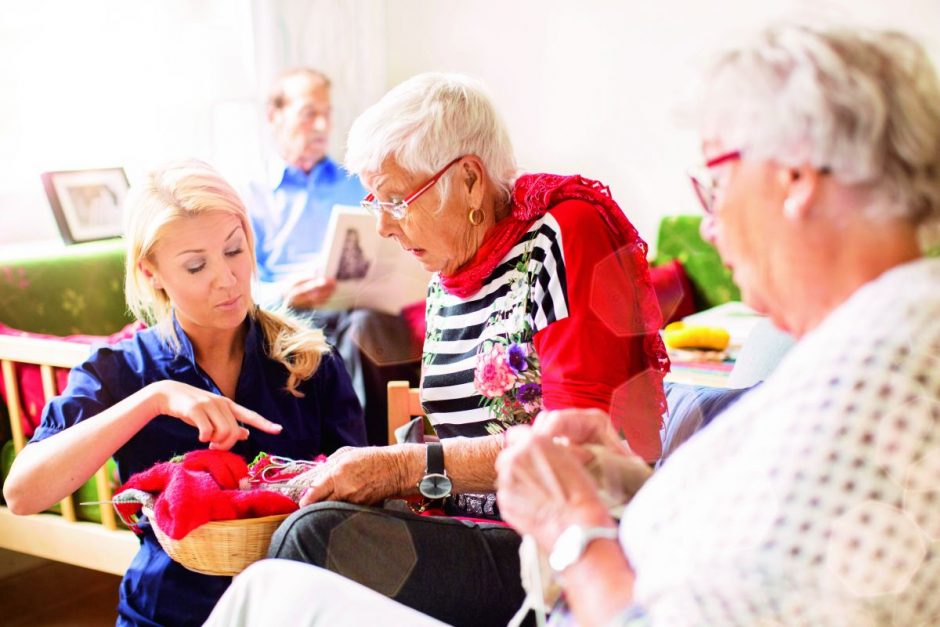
(586, 86)
(592, 86)
(343, 38)
(101, 83)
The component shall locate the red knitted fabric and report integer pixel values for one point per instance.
(201, 488)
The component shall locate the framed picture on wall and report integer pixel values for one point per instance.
(87, 204)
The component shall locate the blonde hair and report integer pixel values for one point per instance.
(187, 189)
(427, 121)
(865, 104)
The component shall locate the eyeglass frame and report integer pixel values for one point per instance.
(706, 192)
(397, 210)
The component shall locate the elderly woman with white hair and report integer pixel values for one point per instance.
(813, 500)
(540, 299)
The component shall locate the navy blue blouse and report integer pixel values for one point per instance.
(156, 590)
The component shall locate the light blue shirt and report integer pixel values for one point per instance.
(289, 215)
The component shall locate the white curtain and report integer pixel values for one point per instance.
(345, 39)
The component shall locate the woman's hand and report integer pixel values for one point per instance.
(218, 419)
(543, 488)
(580, 427)
(309, 292)
(364, 475)
(616, 470)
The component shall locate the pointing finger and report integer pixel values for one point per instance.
(255, 420)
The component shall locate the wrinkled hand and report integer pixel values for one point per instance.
(615, 468)
(309, 292)
(218, 419)
(580, 427)
(543, 488)
(364, 475)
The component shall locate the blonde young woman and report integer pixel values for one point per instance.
(213, 370)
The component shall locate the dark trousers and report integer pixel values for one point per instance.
(459, 572)
(376, 348)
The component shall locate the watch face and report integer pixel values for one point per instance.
(567, 549)
(435, 486)
(572, 542)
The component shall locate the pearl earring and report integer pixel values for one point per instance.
(791, 208)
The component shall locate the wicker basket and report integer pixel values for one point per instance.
(224, 547)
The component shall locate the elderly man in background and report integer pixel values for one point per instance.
(290, 209)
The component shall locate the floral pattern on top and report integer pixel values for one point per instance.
(507, 372)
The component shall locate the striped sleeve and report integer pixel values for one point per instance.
(594, 356)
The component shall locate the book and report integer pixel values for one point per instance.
(371, 272)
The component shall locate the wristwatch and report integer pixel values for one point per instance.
(573, 541)
(435, 484)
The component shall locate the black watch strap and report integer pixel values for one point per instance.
(435, 459)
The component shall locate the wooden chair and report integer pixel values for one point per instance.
(64, 538)
(404, 403)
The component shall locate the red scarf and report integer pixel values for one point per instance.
(532, 197)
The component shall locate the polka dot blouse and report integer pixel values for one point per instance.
(815, 500)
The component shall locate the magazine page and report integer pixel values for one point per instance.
(371, 272)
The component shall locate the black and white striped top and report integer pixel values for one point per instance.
(457, 328)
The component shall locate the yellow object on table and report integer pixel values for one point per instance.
(682, 335)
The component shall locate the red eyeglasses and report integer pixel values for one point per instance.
(704, 183)
(397, 209)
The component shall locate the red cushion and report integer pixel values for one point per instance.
(414, 316)
(673, 290)
(29, 379)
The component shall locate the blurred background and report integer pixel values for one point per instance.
(590, 87)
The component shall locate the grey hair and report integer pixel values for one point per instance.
(863, 103)
(427, 121)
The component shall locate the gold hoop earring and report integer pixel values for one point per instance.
(475, 216)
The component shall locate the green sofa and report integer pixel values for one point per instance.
(61, 291)
(65, 290)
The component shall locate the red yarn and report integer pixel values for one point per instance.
(201, 488)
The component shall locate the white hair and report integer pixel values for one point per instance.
(427, 121)
(863, 104)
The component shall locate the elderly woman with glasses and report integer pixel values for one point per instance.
(540, 299)
(813, 500)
